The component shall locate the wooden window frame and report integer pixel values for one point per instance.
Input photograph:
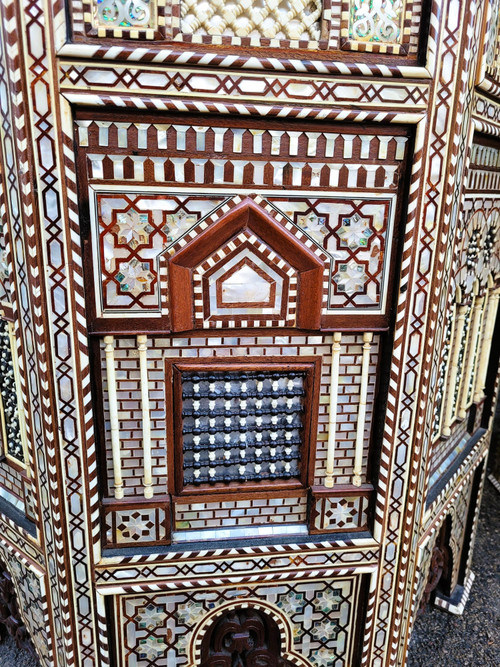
(174, 368)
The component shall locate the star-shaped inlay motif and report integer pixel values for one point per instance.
(350, 277)
(132, 229)
(150, 617)
(135, 277)
(354, 232)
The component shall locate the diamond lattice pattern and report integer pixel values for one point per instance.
(271, 19)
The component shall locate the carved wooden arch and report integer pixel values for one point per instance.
(202, 634)
(247, 215)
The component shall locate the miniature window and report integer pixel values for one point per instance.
(11, 433)
(240, 426)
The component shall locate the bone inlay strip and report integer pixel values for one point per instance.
(113, 415)
(332, 420)
(486, 346)
(142, 346)
(360, 430)
(453, 372)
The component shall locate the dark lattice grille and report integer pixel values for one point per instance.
(8, 391)
(242, 426)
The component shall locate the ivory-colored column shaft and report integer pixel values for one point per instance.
(142, 347)
(332, 416)
(113, 415)
(470, 355)
(363, 392)
(491, 316)
(460, 314)
(450, 344)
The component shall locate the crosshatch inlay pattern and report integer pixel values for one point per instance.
(291, 19)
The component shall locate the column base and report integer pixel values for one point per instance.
(455, 604)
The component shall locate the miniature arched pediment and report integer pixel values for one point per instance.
(248, 270)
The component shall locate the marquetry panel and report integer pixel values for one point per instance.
(355, 233)
(131, 19)
(134, 230)
(132, 525)
(164, 88)
(240, 517)
(143, 239)
(342, 511)
(381, 27)
(319, 615)
(31, 604)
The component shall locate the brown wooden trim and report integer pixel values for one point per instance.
(341, 490)
(134, 502)
(96, 382)
(299, 492)
(221, 490)
(6, 312)
(124, 324)
(170, 426)
(346, 324)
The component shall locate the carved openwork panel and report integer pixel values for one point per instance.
(13, 455)
(320, 26)
(473, 311)
(12, 437)
(245, 636)
(242, 426)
